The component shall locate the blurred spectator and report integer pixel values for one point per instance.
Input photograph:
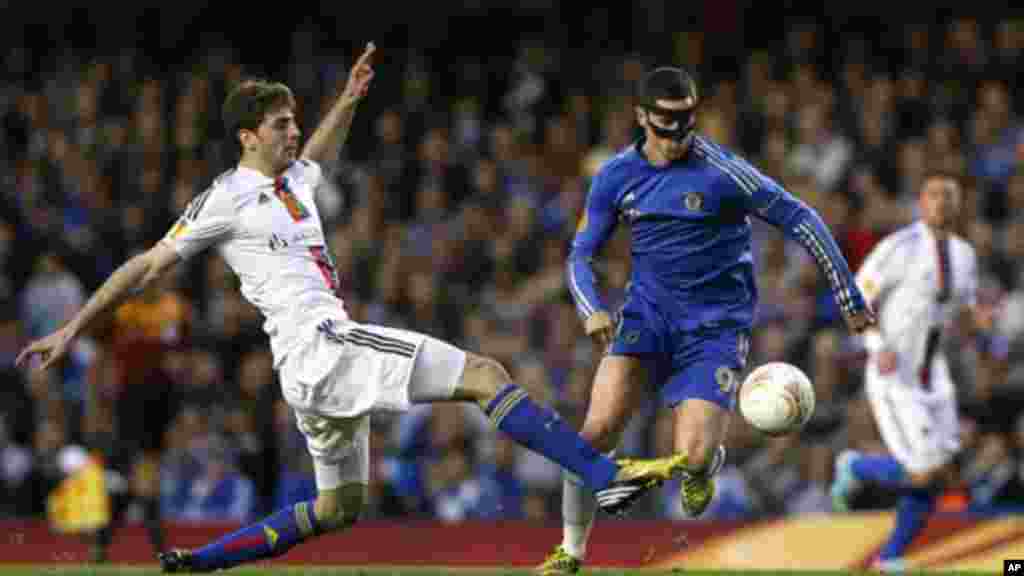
(15, 468)
(819, 150)
(218, 492)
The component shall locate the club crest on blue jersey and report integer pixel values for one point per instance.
(694, 201)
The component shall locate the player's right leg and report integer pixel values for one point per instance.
(884, 470)
(622, 379)
(617, 392)
(920, 430)
(341, 464)
(919, 442)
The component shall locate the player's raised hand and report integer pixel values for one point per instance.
(600, 327)
(50, 349)
(360, 76)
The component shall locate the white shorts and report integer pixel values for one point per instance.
(344, 372)
(920, 428)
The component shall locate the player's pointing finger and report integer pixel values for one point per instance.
(367, 55)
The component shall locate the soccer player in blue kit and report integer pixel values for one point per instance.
(685, 325)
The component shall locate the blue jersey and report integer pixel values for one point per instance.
(691, 236)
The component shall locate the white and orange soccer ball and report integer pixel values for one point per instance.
(777, 398)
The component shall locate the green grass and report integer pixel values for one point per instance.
(84, 570)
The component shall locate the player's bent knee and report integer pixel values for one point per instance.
(699, 457)
(602, 433)
(482, 379)
(699, 450)
(341, 507)
(700, 427)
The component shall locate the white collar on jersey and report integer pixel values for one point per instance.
(931, 233)
(256, 175)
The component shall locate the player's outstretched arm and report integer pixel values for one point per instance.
(802, 223)
(134, 275)
(592, 231)
(331, 133)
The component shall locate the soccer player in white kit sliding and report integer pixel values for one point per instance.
(262, 217)
(919, 279)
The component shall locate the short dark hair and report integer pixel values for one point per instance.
(941, 174)
(666, 83)
(248, 103)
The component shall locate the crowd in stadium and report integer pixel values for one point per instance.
(452, 214)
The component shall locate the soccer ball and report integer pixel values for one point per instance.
(777, 398)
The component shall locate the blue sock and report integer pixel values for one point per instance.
(881, 470)
(267, 538)
(541, 430)
(911, 516)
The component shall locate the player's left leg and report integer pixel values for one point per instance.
(702, 394)
(341, 464)
(918, 496)
(446, 373)
(700, 431)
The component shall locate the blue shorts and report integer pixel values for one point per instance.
(706, 363)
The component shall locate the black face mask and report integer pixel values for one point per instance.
(682, 122)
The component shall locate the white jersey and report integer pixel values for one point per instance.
(333, 371)
(272, 238)
(904, 280)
